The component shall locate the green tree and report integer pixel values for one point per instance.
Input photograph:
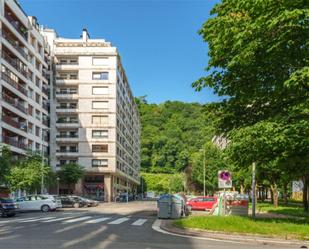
(70, 173)
(5, 163)
(214, 161)
(26, 174)
(259, 61)
(177, 183)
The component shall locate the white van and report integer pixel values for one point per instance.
(45, 203)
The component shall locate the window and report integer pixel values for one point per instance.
(97, 90)
(99, 148)
(99, 104)
(100, 76)
(30, 93)
(100, 134)
(99, 119)
(100, 61)
(37, 98)
(37, 131)
(99, 162)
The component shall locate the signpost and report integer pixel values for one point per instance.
(224, 179)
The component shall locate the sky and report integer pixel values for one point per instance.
(158, 40)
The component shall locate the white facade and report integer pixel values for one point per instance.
(24, 83)
(94, 119)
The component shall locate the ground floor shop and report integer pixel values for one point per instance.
(102, 187)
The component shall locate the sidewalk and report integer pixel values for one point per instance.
(167, 226)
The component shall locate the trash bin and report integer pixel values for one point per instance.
(170, 206)
(177, 207)
(165, 206)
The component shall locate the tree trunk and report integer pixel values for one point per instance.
(285, 193)
(305, 193)
(274, 190)
(242, 189)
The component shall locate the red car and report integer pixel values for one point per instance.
(201, 203)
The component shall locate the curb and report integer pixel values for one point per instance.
(165, 226)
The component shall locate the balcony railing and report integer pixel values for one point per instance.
(14, 84)
(66, 107)
(14, 44)
(45, 122)
(67, 121)
(45, 106)
(66, 92)
(12, 141)
(67, 136)
(14, 102)
(14, 62)
(12, 122)
(20, 29)
(68, 151)
(45, 90)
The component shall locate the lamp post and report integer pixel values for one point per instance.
(204, 172)
(42, 170)
(58, 185)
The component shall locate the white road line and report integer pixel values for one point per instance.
(97, 220)
(58, 219)
(77, 219)
(37, 219)
(139, 222)
(12, 220)
(118, 221)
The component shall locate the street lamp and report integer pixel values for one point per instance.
(42, 162)
(204, 171)
(57, 185)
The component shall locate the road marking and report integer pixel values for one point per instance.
(118, 221)
(77, 219)
(58, 219)
(97, 220)
(10, 220)
(139, 222)
(37, 219)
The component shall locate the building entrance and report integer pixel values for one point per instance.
(93, 187)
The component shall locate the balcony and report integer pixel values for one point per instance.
(14, 43)
(45, 106)
(14, 102)
(12, 122)
(16, 63)
(17, 25)
(67, 136)
(12, 141)
(14, 84)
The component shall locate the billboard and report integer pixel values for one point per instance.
(224, 179)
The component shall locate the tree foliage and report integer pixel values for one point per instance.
(5, 163)
(70, 173)
(26, 174)
(259, 62)
(171, 133)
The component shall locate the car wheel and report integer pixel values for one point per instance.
(2, 214)
(189, 208)
(45, 208)
(76, 205)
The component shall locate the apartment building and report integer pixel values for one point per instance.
(24, 82)
(94, 119)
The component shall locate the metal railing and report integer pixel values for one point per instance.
(12, 141)
(20, 29)
(14, 44)
(67, 136)
(12, 122)
(14, 102)
(15, 62)
(13, 83)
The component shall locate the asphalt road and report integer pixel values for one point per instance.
(87, 229)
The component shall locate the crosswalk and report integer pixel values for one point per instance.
(133, 221)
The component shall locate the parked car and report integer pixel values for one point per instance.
(8, 207)
(70, 201)
(201, 203)
(90, 203)
(45, 203)
(123, 197)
